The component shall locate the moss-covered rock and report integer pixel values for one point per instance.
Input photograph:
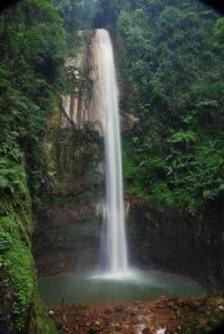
(21, 310)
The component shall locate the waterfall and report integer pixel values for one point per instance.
(114, 243)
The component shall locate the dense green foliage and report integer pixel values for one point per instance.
(171, 74)
(33, 49)
(34, 43)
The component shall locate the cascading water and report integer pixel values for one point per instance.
(114, 243)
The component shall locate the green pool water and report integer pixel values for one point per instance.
(88, 289)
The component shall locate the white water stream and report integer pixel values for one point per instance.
(114, 243)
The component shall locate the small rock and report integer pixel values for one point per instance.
(161, 331)
(51, 313)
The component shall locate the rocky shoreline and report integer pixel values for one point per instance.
(163, 316)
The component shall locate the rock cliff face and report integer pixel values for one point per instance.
(82, 106)
(67, 238)
(69, 224)
(174, 241)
